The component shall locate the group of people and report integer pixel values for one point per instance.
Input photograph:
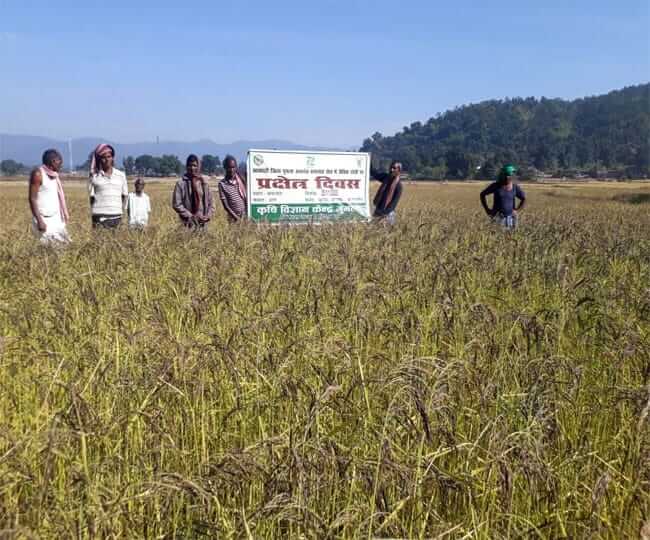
(505, 192)
(107, 189)
(109, 195)
(192, 198)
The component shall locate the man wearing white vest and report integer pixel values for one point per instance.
(47, 200)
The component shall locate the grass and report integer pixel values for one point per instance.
(634, 198)
(437, 379)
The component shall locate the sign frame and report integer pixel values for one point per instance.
(325, 203)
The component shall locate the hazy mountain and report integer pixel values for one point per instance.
(28, 149)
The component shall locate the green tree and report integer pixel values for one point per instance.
(642, 160)
(210, 164)
(170, 165)
(609, 130)
(488, 171)
(146, 164)
(129, 165)
(408, 155)
(459, 164)
(10, 167)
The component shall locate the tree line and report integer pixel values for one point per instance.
(11, 167)
(145, 165)
(165, 165)
(596, 136)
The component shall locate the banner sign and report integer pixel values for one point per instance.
(308, 187)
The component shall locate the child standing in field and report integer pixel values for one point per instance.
(138, 206)
(505, 192)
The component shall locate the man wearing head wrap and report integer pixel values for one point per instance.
(107, 188)
(47, 201)
(504, 192)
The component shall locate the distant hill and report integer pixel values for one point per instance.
(611, 131)
(28, 149)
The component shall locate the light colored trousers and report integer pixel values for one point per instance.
(389, 218)
(55, 230)
(508, 222)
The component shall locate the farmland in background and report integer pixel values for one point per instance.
(440, 378)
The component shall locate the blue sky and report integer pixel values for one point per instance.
(327, 72)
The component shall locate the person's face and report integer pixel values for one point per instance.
(193, 168)
(56, 163)
(139, 186)
(395, 169)
(231, 168)
(106, 160)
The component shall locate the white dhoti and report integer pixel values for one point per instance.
(55, 230)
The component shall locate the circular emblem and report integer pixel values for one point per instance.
(258, 160)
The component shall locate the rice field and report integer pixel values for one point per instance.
(437, 379)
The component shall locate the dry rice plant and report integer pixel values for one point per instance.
(437, 379)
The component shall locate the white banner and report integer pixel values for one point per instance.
(308, 187)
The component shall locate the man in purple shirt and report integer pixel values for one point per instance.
(504, 192)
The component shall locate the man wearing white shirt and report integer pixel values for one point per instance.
(107, 188)
(138, 206)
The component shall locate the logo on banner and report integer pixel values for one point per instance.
(258, 160)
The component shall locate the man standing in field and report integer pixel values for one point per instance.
(388, 194)
(192, 199)
(138, 206)
(47, 200)
(232, 191)
(107, 188)
(505, 192)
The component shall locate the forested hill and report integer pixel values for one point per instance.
(606, 134)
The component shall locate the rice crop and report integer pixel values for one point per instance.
(438, 379)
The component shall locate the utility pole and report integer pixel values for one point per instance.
(71, 166)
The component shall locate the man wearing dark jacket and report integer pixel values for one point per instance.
(192, 199)
(388, 194)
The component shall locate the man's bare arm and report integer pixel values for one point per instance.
(35, 181)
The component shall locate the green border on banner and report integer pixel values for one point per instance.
(308, 212)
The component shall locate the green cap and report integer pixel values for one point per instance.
(509, 170)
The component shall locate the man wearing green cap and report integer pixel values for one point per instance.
(505, 192)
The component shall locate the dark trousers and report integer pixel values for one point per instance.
(103, 221)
